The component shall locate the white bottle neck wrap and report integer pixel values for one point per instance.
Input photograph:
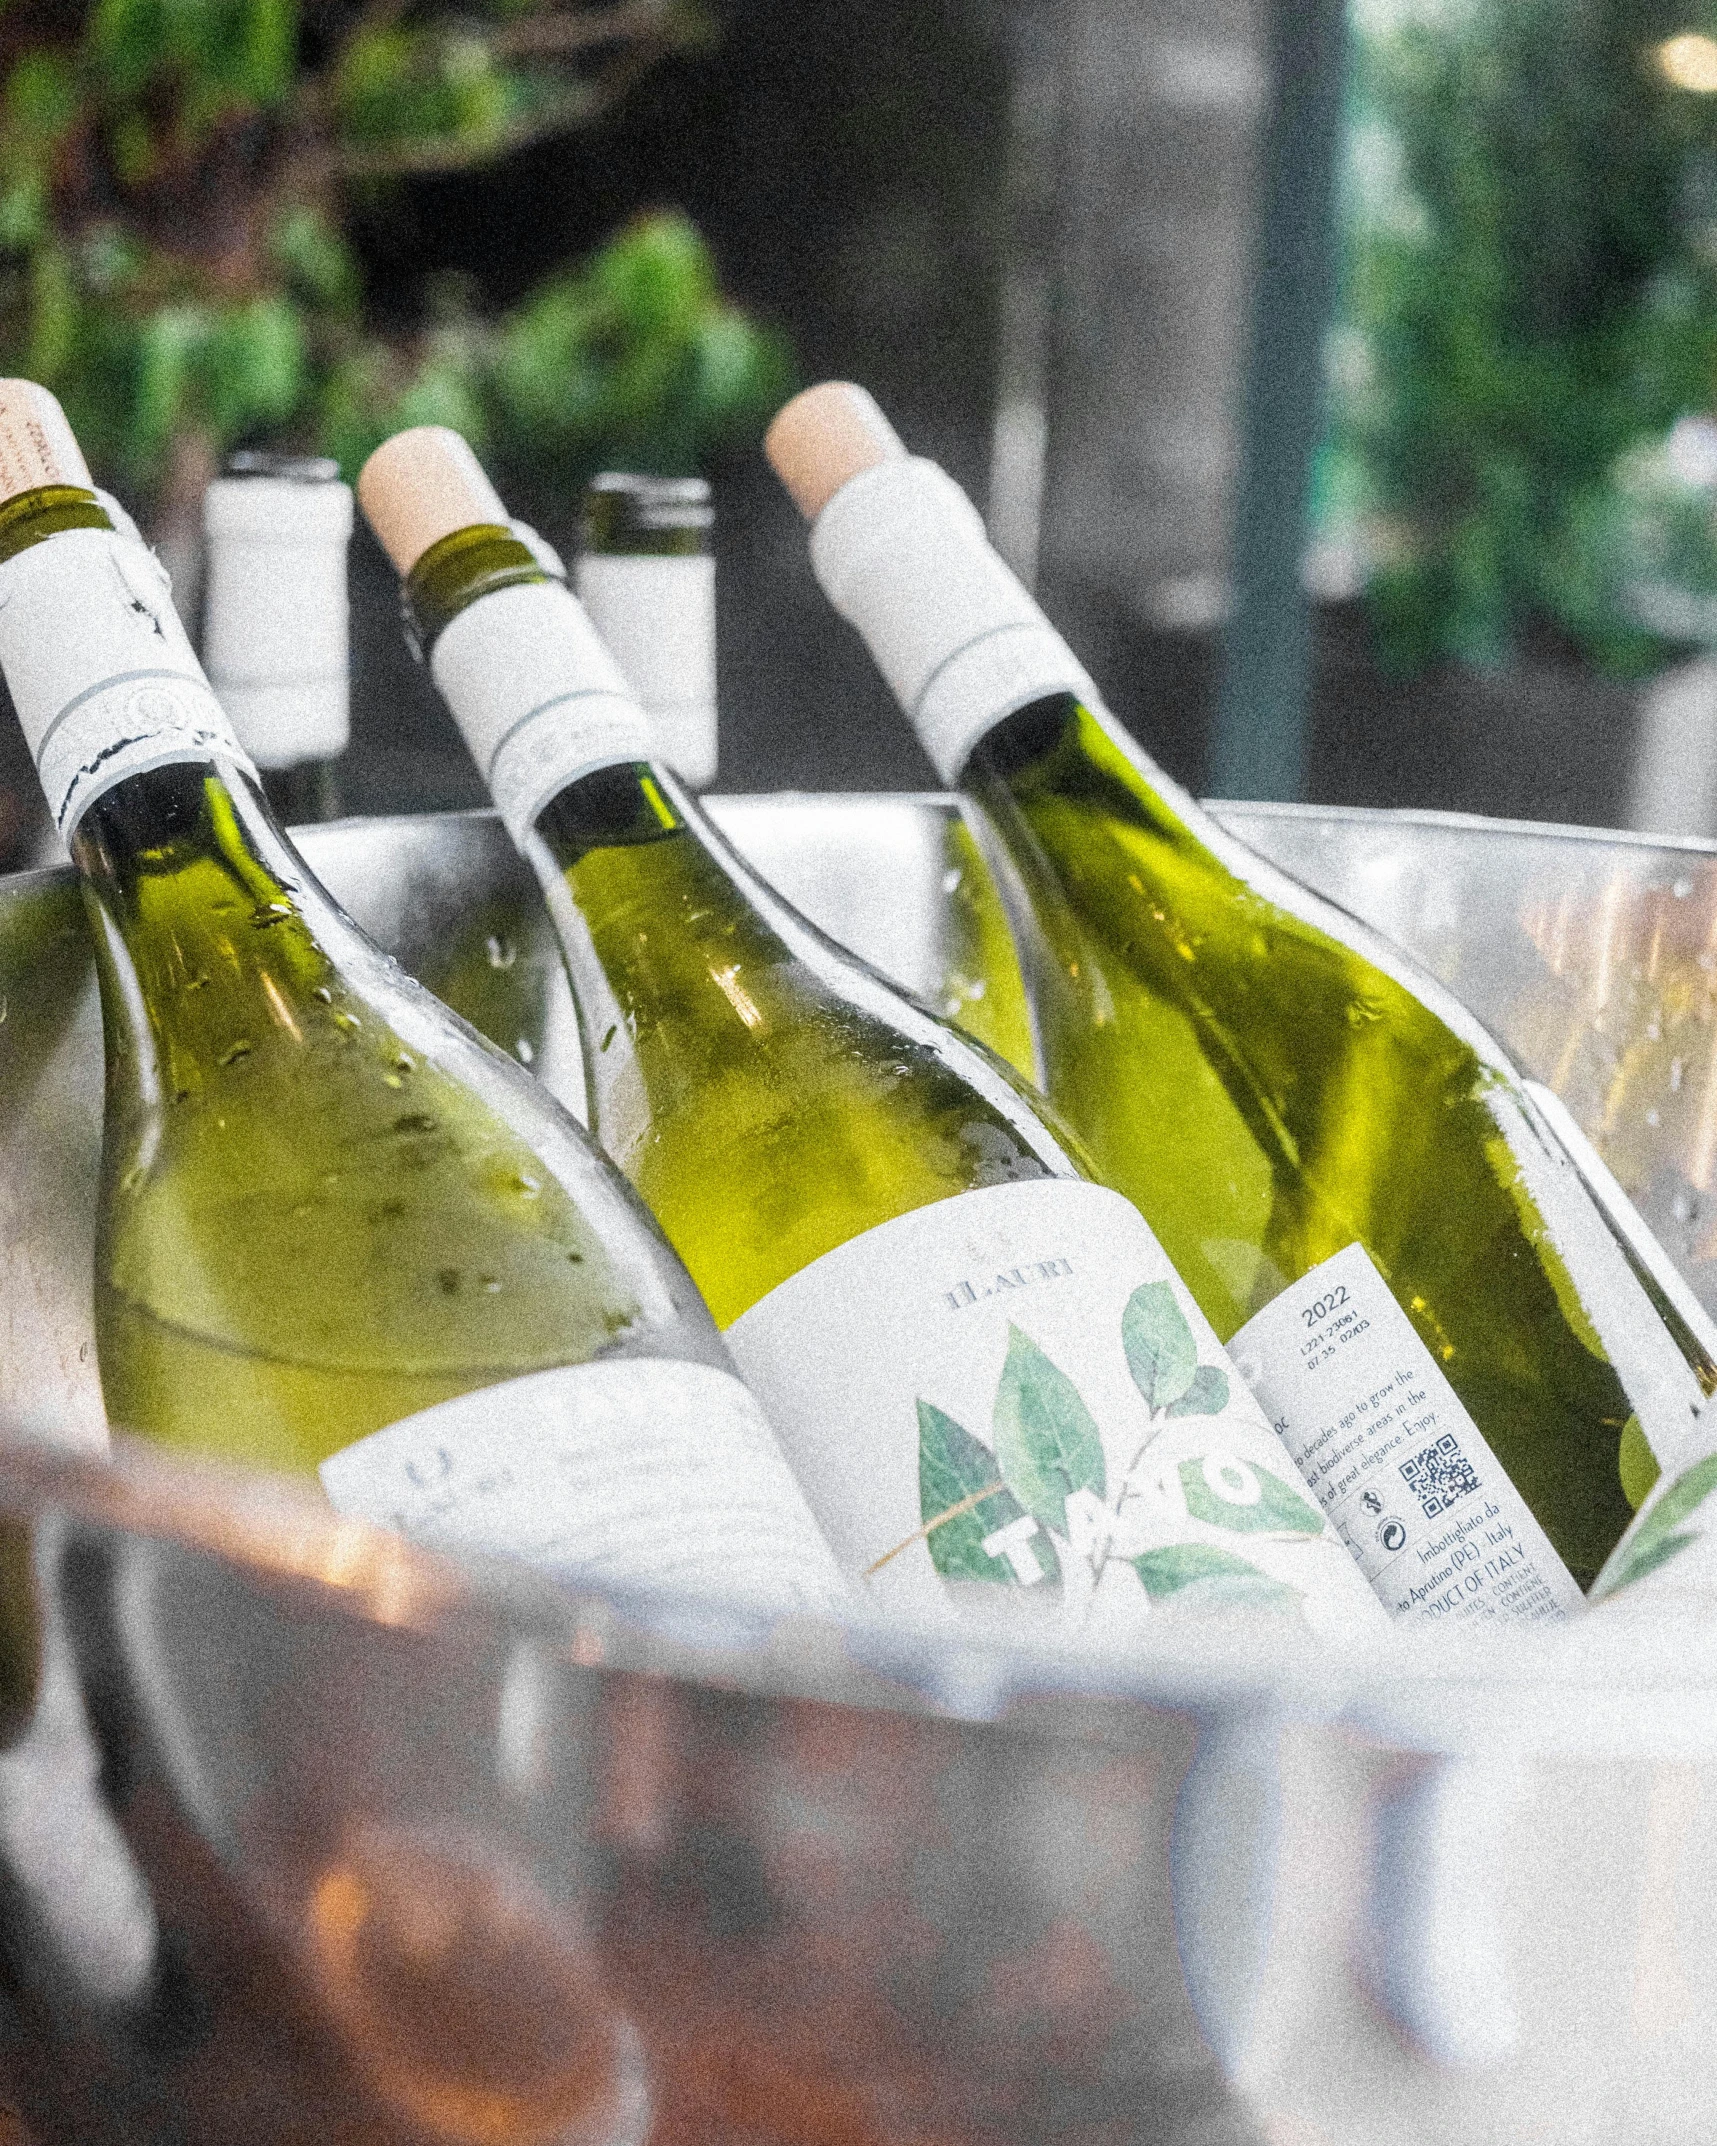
(104, 680)
(275, 619)
(900, 552)
(538, 697)
(657, 614)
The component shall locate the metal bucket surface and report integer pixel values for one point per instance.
(303, 1834)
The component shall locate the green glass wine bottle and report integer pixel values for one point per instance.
(985, 1373)
(338, 1232)
(1366, 1201)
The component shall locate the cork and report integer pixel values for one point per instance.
(824, 436)
(421, 486)
(37, 445)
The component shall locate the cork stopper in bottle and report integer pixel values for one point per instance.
(37, 445)
(825, 436)
(421, 486)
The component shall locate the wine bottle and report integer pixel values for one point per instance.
(1365, 1201)
(994, 1389)
(338, 1232)
(646, 577)
(275, 615)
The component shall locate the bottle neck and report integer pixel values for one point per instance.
(103, 678)
(32, 517)
(276, 640)
(454, 573)
(196, 887)
(537, 695)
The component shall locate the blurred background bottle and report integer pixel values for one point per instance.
(275, 621)
(646, 575)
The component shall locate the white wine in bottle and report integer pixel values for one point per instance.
(338, 1232)
(275, 618)
(1367, 1203)
(990, 1381)
(646, 576)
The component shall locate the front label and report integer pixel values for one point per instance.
(636, 1473)
(1396, 1462)
(1008, 1402)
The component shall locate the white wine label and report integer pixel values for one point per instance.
(636, 1473)
(275, 624)
(901, 553)
(1396, 1462)
(1667, 1560)
(538, 697)
(1007, 1402)
(104, 680)
(657, 614)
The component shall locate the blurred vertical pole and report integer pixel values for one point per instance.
(1258, 747)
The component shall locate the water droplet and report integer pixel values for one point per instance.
(348, 1021)
(1682, 889)
(523, 1047)
(577, 1258)
(414, 1121)
(528, 1187)
(267, 913)
(502, 952)
(405, 1062)
(1676, 1067)
(1653, 1030)
(233, 1053)
(5, 1008)
(199, 982)
(1681, 1207)
(447, 1281)
(489, 1285)
(392, 1080)
(324, 994)
(951, 879)
(1653, 1117)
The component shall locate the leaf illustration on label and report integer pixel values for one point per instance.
(1219, 1577)
(1046, 1439)
(1226, 1492)
(1161, 1353)
(1206, 1396)
(1657, 1540)
(974, 1526)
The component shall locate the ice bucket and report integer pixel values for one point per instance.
(306, 1835)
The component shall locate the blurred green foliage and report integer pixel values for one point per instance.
(1529, 305)
(177, 185)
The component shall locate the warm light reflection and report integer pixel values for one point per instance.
(1690, 62)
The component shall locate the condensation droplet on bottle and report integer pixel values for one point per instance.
(1654, 1117)
(523, 1047)
(501, 951)
(234, 1052)
(1653, 1030)
(1682, 889)
(1681, 1207)
(348, 1021)
(489, 1285)
(5, 1008)
(951, 879)
(1676, 1066)
(447, 1281)
(526, 1186)
(404, 1062)
(324, 994)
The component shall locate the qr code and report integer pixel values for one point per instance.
(1440, 1475)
